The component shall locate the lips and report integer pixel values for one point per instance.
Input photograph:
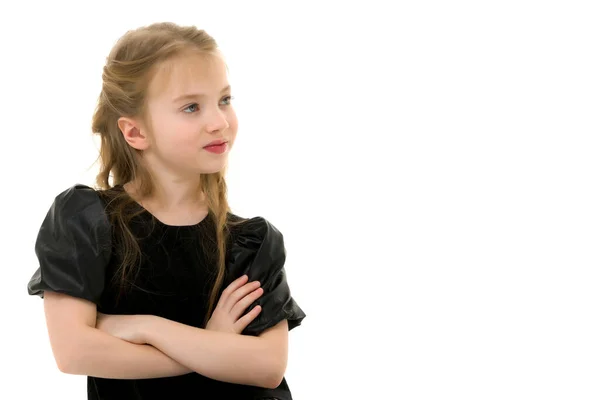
(215, 143)
(217, 149)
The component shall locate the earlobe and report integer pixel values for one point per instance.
(133, 133)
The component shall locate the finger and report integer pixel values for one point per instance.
(233, 286)
(243, 322)
(239, 294)
(239, 308)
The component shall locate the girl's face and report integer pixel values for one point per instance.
(188, 107)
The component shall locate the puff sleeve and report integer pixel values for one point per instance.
(258, 250)
(73, 246)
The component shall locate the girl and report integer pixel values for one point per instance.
(152, 287)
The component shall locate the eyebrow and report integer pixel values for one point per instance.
(190, 96)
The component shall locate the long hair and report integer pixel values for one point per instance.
(129, 69)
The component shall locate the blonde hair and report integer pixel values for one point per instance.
(129, 68)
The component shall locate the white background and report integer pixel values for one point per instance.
(433, 166)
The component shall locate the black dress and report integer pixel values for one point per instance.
(76, 253)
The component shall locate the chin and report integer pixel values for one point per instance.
(213, 170)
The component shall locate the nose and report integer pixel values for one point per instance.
(218, 121)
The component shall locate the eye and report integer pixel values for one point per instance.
(228, 99)
(192, 108)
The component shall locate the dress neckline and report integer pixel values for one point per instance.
(161, 223)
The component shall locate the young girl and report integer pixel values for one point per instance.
(152, 287)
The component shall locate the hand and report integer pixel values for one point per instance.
(125, 327)
(236, 298)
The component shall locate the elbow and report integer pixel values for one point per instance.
(273, 383)
(69, 357)
(68, 364)
(276, 374)
(64, 365)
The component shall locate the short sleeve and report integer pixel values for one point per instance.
(73, 246)
(258, 251)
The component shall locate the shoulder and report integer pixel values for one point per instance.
(256, 248)
(254, 231)
(76, 198)
(79, 205)
(73, 245)
(258, 251)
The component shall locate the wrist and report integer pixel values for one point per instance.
(147, 325)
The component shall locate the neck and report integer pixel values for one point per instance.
(171, 194)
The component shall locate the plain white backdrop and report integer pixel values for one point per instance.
(432, 165)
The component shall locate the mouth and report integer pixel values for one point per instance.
(217, 148)
(216, 143)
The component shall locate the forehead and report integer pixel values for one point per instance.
(193, 72)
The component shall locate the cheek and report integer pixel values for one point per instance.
(233, 126)
(177, 135)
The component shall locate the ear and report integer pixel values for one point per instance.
(134, 133)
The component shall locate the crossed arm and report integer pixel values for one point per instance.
(157, 347)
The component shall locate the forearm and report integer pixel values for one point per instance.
(95, 353)
(221, 356)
